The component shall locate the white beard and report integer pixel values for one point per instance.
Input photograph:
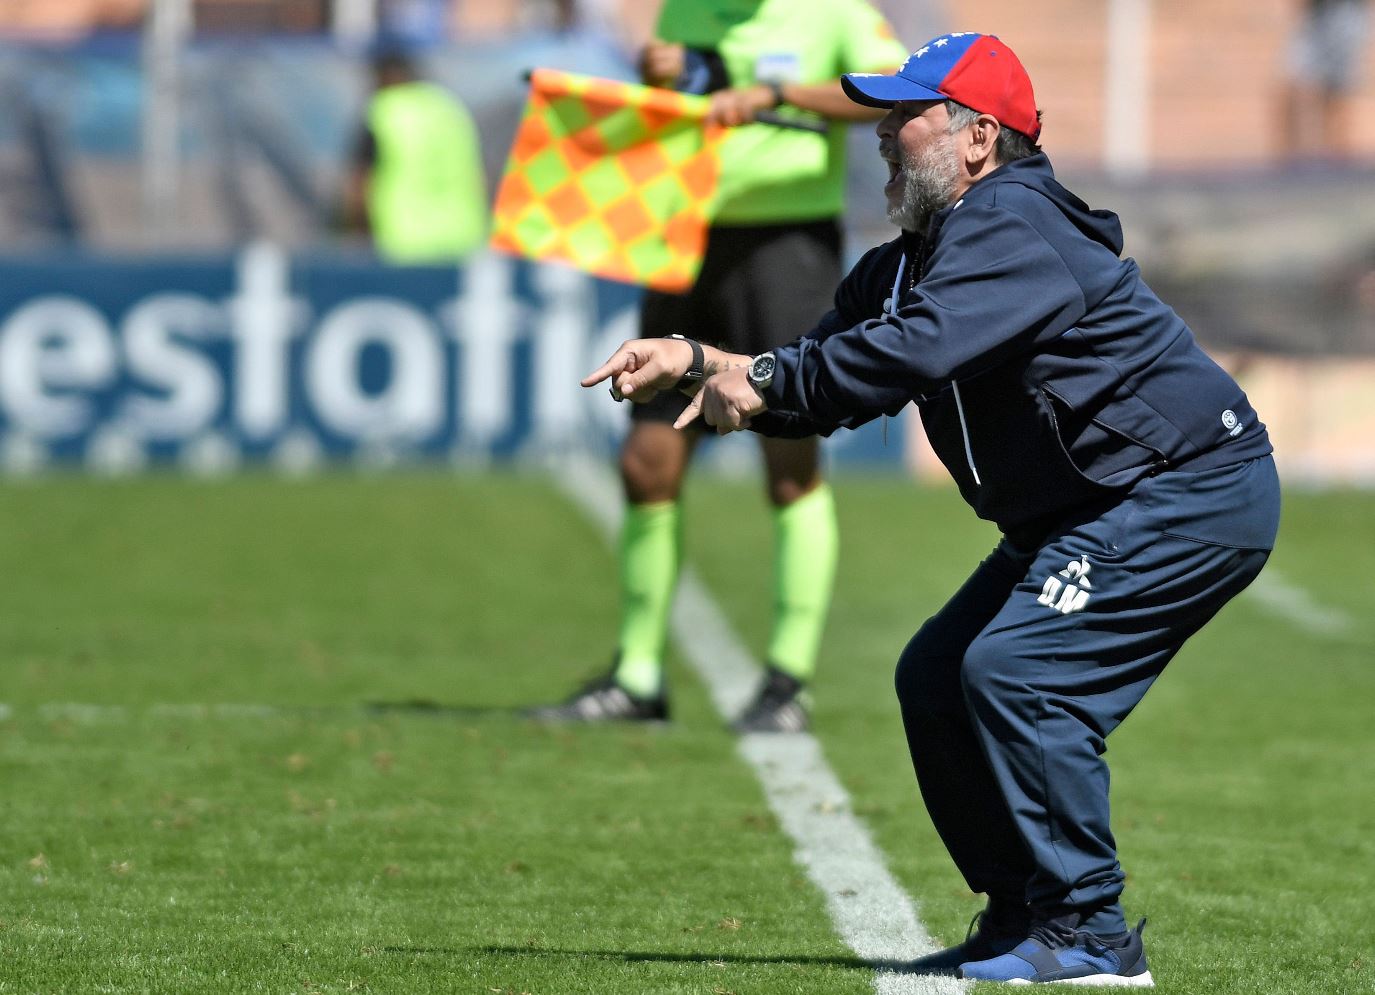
(929, 180)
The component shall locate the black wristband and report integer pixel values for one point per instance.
(777, 89)
(696, 370)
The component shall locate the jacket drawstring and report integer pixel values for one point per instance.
(959, 404)
(893, 310)
(897, 286)
(964, 431)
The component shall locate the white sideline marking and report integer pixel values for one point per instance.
(81, 713)
(84, 713)
(1295, 605)
(871, 912)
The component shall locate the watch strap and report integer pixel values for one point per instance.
(697, 369)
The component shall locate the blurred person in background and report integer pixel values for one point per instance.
(772, 262)
(416, 185)
(1323, 70)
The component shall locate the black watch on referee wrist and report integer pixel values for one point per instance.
(776, 88)
(695, 371)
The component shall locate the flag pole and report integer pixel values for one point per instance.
(796, 124)
(760, 117)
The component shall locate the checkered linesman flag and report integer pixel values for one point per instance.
(616, 179)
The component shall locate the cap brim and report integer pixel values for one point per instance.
(878, 90)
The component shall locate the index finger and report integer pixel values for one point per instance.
(621, 360)
(692, 412)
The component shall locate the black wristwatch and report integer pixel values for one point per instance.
(777, 89)
(761, 371)
(695, 371)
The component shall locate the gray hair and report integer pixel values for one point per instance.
(1010, 146)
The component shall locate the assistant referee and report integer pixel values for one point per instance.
(772, 263)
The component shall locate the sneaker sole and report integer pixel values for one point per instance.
(1143, 980)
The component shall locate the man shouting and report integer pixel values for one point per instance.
(1130, 477)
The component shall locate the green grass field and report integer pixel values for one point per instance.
(219, 774)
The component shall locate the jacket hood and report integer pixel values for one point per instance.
(1035, 172)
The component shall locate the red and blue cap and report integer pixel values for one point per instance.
(976, 70)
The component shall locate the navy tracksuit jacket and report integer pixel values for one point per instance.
(1128, 472)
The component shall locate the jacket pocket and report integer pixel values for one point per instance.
(1098, 451)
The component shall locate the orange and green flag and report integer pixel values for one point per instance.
(614, 178)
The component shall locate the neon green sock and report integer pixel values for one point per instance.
(651, 542)
(806, 543)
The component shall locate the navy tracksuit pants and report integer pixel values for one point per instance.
(1009, 692)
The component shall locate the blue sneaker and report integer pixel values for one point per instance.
(1056, 951)
(996, 930)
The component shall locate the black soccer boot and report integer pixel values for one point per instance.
(779, 706)
(603, 700)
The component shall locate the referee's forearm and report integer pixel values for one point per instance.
(828, 100)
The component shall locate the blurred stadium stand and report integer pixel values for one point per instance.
(1168, 113)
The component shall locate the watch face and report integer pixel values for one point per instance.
(761, 370)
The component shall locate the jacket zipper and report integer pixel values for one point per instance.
(954, 386)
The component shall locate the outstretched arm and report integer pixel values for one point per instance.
(739, 104)
(724, 398)
(662, 62)
(641, 368)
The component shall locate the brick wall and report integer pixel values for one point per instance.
(1216, 75)
(66, 18)
(1216, 67)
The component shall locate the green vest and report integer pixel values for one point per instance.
(427, 199)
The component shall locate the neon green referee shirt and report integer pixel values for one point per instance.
(769, 174)
(427, 201)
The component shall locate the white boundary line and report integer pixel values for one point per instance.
(871, 912)
(87, 713)
(1295, 605)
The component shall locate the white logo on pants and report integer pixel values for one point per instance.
(1071, 594)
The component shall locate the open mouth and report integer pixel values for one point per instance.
(894, 175)
(890, 158)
